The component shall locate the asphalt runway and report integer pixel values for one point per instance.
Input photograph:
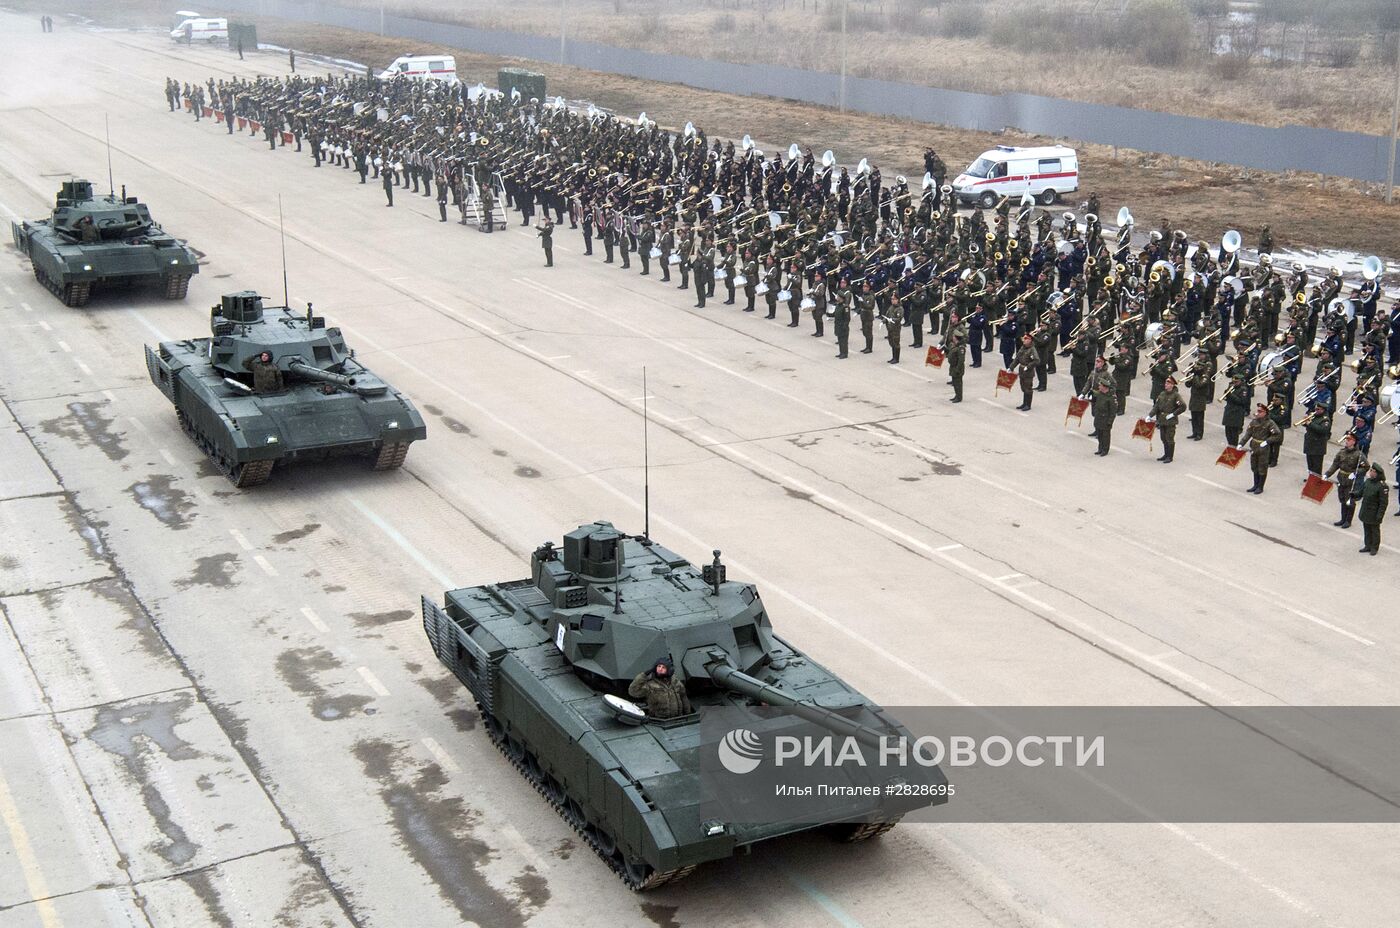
(218, 707)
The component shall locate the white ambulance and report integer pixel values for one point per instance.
(1045, 172)
(200, 29)
(422, 67)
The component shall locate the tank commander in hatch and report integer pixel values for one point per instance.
(664, 695)
(266, 377)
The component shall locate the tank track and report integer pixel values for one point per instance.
(865, 831)
(391, 455)
(636, 880)
(176, 286)
(251, 474)
(70, 294)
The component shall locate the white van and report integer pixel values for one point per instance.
(1046, 172)
(423, 67)
(201, 30)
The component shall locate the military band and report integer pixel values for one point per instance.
(833, 242)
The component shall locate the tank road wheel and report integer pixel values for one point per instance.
(493, 726)
(176, 286)
(603, 842)
(391, 455)
(514, 750)
(76, 294)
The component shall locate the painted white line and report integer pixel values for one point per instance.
(1342, 531)
(26, 307)
(1122, 451)
(28, 861)
(265, 565)
(558, 357)
(64, 345)
(397, 538)
(522, 847)
(1005, 577)
(638, 399)
(242, 539)
(9, 290)
(168, 457)
(379, 688)
(45, 326)
(314, 619)
(444, 759)
(1166, 654)
(993, 403)
(138, 423)
(160, 336)
(111, 397)
(1218, 486)
(82, 367)
(952, 547)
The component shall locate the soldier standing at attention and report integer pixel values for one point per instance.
(894, 324)
(1101, 389)
(1236, 405)
(624, 244)
(1261, 435)
(1317, 432)
(488, 206)
(841, 321)
(955, 349)
(546, 234)
(1026, 360)
(865, 305)
(1166, 409)
(586, 220)
(1200, 383)
(664, 695)
(645, 239)
(1374, 496)
(704, 269)
(388, 188)
(818, 303)
(442, 198)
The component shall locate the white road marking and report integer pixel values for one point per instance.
(9, 290)
(45, 326)
(952, 547)
(111, 397)
(26, 307)
(379, 688)
(994, 403)
(1329, 525)
(1218, 486)
(265, 565)
(169, 458)
(64, 345)
(160, 336)
(315, 620)
(1005, 577)
(397, 538)
(82, 367)
(444, 759)
(523, 848)
(242, 539)
(138, 423)
(558, 357)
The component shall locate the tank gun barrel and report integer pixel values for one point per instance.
(301, 368)
(728, 677)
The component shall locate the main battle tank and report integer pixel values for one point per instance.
(549, 659)
(93, 239)
(278, 386)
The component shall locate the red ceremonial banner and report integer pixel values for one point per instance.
(189, 104)
(287, 138)
(934, 358)
(218, 115)
(255, 126)
(1316, 488)
(242, 123)
(1145, 429)
(208, 111)
(1077, 409)
(1005, 380)
(1231, 457)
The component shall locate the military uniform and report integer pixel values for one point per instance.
(546, 234)
(841, 322)
(1101, 389)
(1345, 464)
(1166, 410)
(1317, 432)
(664, 698)
(1026, 360)
(1261, 435)
(955, 350)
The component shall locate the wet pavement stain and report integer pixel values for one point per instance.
(663, 916)
(524, 471)
(299, 669)
(436, 830)
(804, 442)
(158, 497)
(9, 563)
(207, 468)
(203, 886)
(798, 494)
(85, 425)
(1267, 537)
(456, 425)
(293, 534)
(498, 452)
(376, 619)
(214, 570)
(135, 732)
(448, 692)
(564, 849)
(137, 622)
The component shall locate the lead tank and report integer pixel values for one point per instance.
(310, 398)
(99, 240)
(548, 661)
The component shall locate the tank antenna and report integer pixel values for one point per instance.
(646, 463)
(617, 576)
(282, 231)
(107, 125)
